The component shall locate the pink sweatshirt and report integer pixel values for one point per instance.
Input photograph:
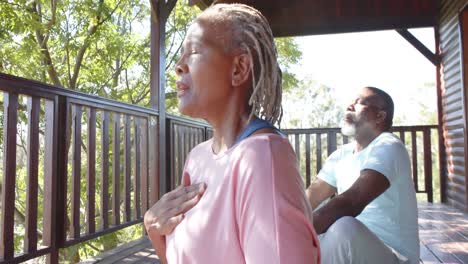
(254, 209)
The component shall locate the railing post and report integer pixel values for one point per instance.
(318, 151)
(57, 223)
(153, 160)
(331, 142)
(307, 159)
(427, 164)
(205, 133)
(440, 122)
(169, 157)
(414, 162)
(442, 165)
(10, 103)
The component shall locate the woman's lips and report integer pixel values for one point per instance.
(181, 93)
(182, 88)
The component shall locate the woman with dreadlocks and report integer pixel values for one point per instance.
(242, 199)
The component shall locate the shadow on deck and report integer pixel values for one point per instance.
(443, 232)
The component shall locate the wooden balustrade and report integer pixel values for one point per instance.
(419, 148)
(182, 136)
(76, 141)
(65, 131)
(312, 147)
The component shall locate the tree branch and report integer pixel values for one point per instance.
(67, 48)
(53, 10)
(143, 95)
(170, 5)
(93, 26)
(42, 39)
(20, 216)
(118, 70)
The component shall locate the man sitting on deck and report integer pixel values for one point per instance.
(373, 217)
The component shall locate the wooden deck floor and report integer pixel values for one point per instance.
(443, 232)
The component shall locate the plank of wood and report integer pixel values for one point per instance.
(76, 172)
(118, 254)
(426, 255)
(30, 239)
(441, 238)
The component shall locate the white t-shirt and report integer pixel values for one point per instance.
(393, 215)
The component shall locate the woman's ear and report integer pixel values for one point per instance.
(241, 69)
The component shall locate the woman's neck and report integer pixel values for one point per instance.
(227, 124)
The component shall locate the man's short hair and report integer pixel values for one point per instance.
(388, 106)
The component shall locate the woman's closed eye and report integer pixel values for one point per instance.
(189, 53)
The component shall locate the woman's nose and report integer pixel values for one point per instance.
(180, 68)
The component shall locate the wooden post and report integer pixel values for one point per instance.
(55, 204)
(331, 142)
(10, 103)
(30, 239)
(91, 172)
(160, 11)
(76, 172)
(428, 164)
(105, 170)
(442, 153)
(463, 20)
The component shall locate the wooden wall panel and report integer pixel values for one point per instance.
(453, 104)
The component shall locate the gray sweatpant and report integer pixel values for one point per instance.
(350, 241)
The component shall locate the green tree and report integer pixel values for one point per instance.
(312, 105)
(97, 47)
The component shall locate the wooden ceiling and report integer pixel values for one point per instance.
(311, 17)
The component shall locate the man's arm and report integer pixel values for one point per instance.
(351, 203)
(318, 192)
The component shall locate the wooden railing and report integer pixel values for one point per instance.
(182, 135)
(69, 139)
(73, 140)
(313, 146)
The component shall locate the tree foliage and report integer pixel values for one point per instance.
(311, 106)
(98, 47)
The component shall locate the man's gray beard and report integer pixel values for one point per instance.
(348, 129)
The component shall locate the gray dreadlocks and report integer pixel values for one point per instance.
(249, 30)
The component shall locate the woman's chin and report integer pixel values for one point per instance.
(187, 110)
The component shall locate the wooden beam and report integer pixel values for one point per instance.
(440, 121)
(154, 53)
(463, 20)
(434, 58)
(160, 11)
(313, 17)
